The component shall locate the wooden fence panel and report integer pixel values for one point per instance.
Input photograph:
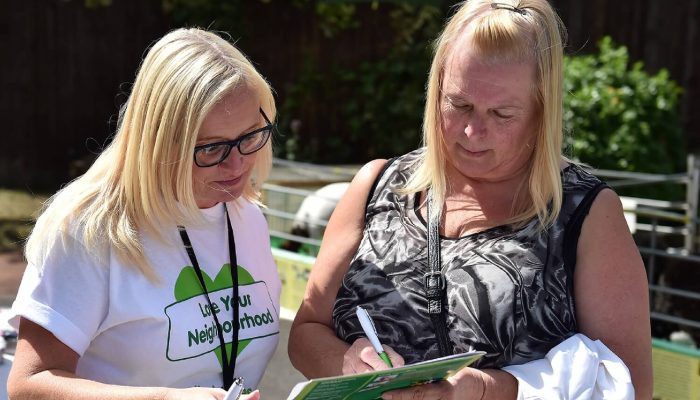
(64, 65)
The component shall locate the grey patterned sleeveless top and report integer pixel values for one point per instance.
(509, 291)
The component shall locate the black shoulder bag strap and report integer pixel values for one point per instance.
(435, 284)
(227, 368)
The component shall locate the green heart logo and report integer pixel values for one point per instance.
(187, 285)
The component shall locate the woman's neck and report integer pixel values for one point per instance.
(474, 205)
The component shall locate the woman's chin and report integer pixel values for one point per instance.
(213, 199)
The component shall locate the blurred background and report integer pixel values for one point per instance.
(349, 77)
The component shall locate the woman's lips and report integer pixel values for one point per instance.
(472, 152)
(475, 153)
(229, 182)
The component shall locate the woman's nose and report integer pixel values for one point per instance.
(475, 126)
(234, 160)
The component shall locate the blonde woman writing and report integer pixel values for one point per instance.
(151, 276)
(485, 239)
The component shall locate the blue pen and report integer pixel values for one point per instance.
(371, 333)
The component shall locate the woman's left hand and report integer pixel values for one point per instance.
(467, 384)
(252, 396)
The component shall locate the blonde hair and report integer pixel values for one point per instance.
(143, 179)
(510, 31)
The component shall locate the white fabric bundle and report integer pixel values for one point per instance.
(577, 369)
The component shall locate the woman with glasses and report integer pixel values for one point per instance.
(151, 276)
(487, 239)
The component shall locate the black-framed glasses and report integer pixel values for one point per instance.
(210, 154)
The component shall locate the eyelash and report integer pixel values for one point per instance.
(459, 106)
(466, 107)
(502, 116)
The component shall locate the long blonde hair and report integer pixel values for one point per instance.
(531, 31)
(142, 181)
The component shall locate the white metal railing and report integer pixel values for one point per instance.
(689, 208)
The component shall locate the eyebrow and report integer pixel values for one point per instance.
(505, 103)
(216, 138)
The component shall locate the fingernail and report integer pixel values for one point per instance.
(387, 396)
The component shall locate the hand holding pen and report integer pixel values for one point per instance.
(236, 392)
(371, 333)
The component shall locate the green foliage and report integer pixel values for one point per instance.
(374, 105)
(97, 3)
(385, 108)
(335, 17)
(211, 14)
(93, 4)
(616, 115)
(619, 117)
(378, 104)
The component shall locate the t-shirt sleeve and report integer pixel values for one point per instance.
(67, 295)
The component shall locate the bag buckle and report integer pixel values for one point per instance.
(434, 280)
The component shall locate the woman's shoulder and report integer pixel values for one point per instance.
(392, 173)
(245, 208)
(402, 165)
(580, 188)
(70, 243)
(248, 213)
(577, 178)
(410, 160)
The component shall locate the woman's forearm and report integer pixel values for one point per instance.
(500, 385)
(315, 350)
(59, 385)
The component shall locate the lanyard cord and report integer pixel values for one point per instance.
(226, 368)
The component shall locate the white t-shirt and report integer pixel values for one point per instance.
(129, 331)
